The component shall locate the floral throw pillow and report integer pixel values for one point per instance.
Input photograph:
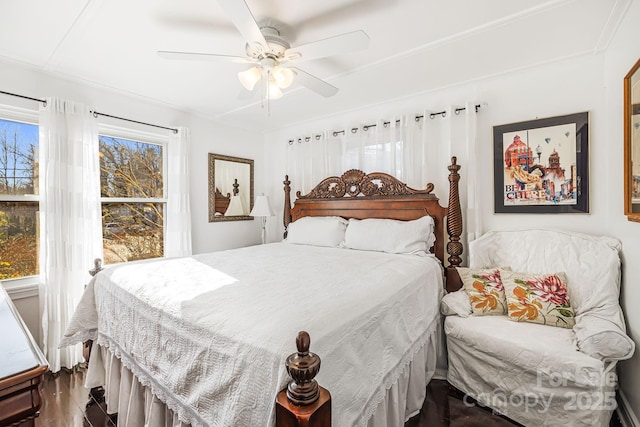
(538, 299)
(485, 290)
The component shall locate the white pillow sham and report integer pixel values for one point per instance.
(391, 236)
(317, 231)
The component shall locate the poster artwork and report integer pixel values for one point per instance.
(540, 166)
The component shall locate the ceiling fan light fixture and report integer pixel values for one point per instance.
(250, 77)
(283, 77)
(273, 91)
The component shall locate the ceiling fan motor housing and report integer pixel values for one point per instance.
(276, 45)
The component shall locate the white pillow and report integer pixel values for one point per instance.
(391, 236)
(317, 231)
(456, 303)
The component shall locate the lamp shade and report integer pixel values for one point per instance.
(261, 207)
(236, 207)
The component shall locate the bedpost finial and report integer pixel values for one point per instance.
(303, 340)
(303, 366)
(454, 167)
(97, 267)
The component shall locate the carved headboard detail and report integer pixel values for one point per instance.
(358, 195)
(355, 182)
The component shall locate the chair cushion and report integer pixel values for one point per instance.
(532, 373)
(525, 346)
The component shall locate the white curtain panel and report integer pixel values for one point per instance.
(71, 233)
(178, 216)
(414, 151)
(313, 158)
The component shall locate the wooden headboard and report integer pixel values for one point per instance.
(221, 201)
(379, 195)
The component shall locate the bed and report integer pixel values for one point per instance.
(202, 340)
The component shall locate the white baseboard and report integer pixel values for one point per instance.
(625, 413)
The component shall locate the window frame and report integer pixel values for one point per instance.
(26, 284)
(147, 138)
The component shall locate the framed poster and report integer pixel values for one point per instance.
(542, 165)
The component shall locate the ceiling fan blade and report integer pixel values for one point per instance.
(315, 84)
(196, 56)
(343, 43)
(242, 18)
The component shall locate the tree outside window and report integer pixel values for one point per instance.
(19, 203)
(133, 203)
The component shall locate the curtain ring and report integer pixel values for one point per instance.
(354, 130)
(307, 139)
(443, 114)
(386, 124)
(417, 118)
(299, 140)
(95, 115)
(457, 111)
(291, 142)
(432, 116)
(318, 137)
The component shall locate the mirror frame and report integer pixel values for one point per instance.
(628, 170)
(212, 188)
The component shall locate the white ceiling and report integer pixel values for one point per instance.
(415, 46)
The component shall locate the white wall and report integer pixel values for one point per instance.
(589, 83)
(623, 52)
(206, 136)
(213, 138)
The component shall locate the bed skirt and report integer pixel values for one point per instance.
(136, 406)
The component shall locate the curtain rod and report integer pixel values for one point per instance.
(95, 113)
(385, 124)
(44, 101)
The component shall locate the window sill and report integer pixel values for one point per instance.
(22, 288)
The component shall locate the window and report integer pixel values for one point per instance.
(19, 201)
(132, 188)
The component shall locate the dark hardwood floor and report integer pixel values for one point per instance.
(65, 404)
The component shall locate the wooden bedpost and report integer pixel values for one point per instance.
(303, 403)
(86, 347)
(97, 392)
(286, 216)
(454, 224)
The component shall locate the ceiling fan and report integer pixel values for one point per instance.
(273, 59)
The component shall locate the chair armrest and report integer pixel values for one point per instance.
(456, 303)
(602, 339)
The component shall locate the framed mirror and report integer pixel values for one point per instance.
(230, 188)
(632, 143)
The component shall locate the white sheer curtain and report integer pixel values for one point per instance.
(178, 216)
(414, 151)
(71, 225)
(379, 148)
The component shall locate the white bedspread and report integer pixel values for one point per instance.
(209, 334)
